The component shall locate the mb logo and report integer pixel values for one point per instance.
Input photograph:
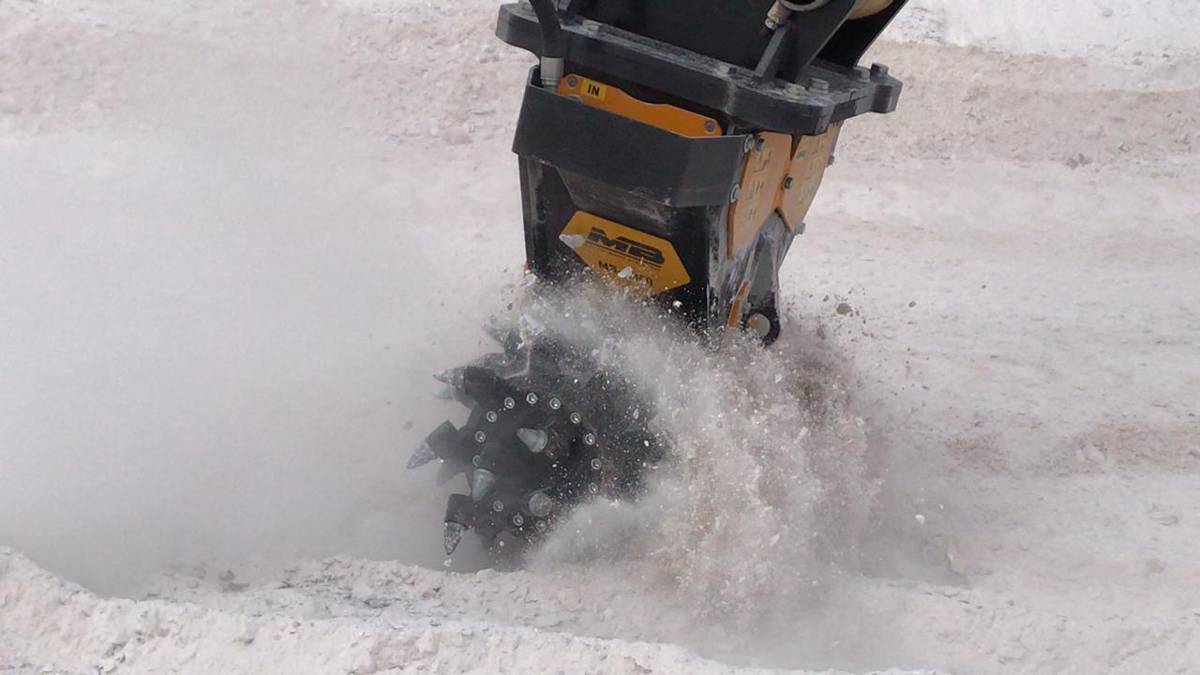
(627, 247)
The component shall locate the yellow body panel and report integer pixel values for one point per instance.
(809, 161)
(766, 166)
(865, 8)
(624, 255)
(660, 115)
(736, 307)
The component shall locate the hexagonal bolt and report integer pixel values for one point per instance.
(480, 437)
(589, 438)
(491, 416)
(509, 403)
(555, 404)
(531, 398)
(576, 418)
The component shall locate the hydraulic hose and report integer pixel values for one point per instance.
(554, 42)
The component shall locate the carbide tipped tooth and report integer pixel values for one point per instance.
(452, 377)
(452, 534)
(534, 439)
(540, 504)
(482, 482)
(422, 456)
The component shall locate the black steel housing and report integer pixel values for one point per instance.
(800, 99)
(709, 57)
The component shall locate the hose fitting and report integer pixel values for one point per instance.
(554, 42)
(782, 10)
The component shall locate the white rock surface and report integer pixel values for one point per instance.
(1106, 30)
(233, 235)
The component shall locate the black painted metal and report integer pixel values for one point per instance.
(814, 30)
(776, 51)
(732, 31)
(627, 155)
(698, 81)
(670, 186)
(854, 38)
(709, 57)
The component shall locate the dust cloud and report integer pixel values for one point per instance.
(218, 329)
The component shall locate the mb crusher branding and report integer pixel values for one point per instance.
(625, 255)
(627, 247)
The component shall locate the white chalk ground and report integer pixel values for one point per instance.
(236, 238)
